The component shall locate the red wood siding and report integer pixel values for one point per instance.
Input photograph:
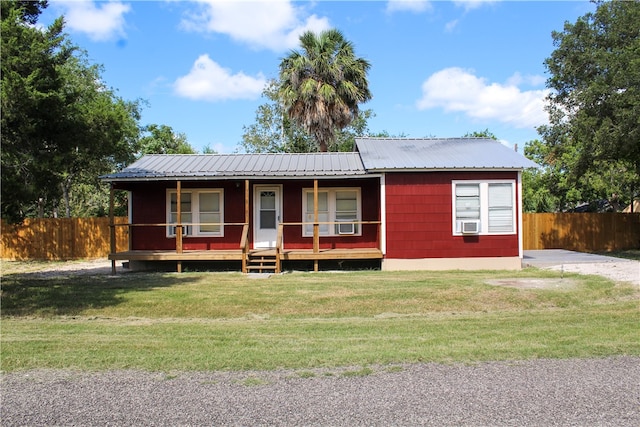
(149, 207)
(419, 218)
(370, 196)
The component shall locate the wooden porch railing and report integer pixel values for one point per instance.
(179, 236)
(317, 236)
(244, 246)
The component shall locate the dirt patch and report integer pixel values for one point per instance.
(533, 283)
(60, 268)
(621, 271)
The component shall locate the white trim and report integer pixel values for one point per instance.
(519, 215)
(383, 214)
(484, 206)
(331, 201)
(194, 230)
(256, 213)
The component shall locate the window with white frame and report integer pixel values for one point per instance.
(339, 211)
(201, 211)
(484, 207)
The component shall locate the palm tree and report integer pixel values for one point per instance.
(322, 85)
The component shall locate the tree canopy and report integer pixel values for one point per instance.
(161, 139)
(274, 132)
(322, 85)
(591, 148)
(61, 124)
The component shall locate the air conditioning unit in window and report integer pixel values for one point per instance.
(186, 230)
(346, 229)
(470, 227)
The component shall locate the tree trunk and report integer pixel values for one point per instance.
(66, 189)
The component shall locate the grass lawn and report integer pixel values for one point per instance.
(227, 321)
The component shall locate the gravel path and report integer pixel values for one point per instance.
(589, 392)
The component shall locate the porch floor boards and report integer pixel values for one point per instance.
(236, 255)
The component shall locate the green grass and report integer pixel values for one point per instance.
(225, 321)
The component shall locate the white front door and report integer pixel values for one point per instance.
(266, 215)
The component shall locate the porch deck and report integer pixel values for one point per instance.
(237, 255)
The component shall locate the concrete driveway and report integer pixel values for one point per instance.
(550, 257)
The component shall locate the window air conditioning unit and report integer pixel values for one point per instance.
(186, 230)
(470, 227)
(346, 229)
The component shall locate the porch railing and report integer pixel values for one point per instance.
(244, 245)
(317, 236)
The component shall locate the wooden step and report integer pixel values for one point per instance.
(262, 263)
(261, 267)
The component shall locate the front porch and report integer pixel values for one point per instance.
(255, 260)
(256, 254)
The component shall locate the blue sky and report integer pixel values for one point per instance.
(438, 69)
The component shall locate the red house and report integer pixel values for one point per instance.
(402, 203)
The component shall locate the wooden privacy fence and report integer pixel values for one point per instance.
(584, 232)
(60, 238)
(73, 238)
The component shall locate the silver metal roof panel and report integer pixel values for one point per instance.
(202, 166)
(387, 154)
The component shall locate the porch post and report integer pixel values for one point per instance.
(179, 223)
(246, 201)
(316, 226)
(112, 229)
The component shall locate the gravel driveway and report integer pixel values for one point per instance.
(590, 392)
(617, 269)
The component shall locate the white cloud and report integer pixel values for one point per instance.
(472, 4)
(208, 81)
(451, 25)
(100, 23)
(275, 24)
(415, 6)
(458, 90)
(518, 79)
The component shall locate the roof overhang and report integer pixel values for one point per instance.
(235, 178)
(407, 170)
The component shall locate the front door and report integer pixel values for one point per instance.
(266, 215)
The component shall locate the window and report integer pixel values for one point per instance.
(485, 207)
(202, 212)
(339, 206)
(501, 218)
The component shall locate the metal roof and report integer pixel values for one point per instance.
(388, 154)
(206, 166)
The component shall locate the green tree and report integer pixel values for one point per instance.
(591, 148)
(536, 183)
(161, 139)
(480, 134)
(322, 85)
(274, 132)
(32, 95)
(60, 123)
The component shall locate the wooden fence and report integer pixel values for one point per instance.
(584, 232)
(60, 238)
(73, 238)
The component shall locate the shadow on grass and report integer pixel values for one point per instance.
(35, 294)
